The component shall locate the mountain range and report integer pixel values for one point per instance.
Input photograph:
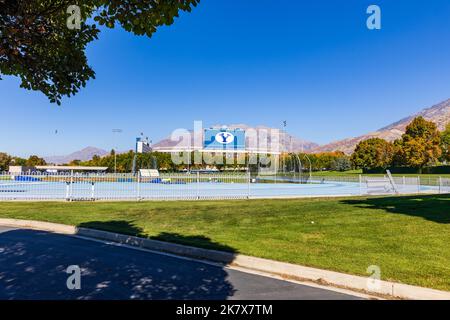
(83, 155)
(287, 141)
(439, 114)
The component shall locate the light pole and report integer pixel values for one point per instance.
(115, 151)
(283, 142)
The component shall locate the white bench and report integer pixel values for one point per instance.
(149, 173)
(379, 184)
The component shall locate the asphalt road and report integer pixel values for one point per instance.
(33, 265)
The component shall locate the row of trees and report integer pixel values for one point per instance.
(124, 162)
(421, 145)
(336, 161)
(6, 160)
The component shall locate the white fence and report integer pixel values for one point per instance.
(196, 186)
(78, 187)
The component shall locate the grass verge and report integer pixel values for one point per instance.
(407, 237)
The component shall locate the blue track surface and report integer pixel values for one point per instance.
(204, 190)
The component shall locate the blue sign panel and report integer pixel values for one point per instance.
(223, 139)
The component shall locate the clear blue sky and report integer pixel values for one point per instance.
(313, 63)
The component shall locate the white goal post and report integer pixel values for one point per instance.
(391, 180)
(385, 184)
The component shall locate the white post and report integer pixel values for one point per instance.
(360, 184)
(248, 184)
(440, 184)
(92, 190)
(71, 185)
(198, 185)
(418, 184)
(67, 190)
(138, 179)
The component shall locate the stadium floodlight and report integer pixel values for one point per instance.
(115, 151)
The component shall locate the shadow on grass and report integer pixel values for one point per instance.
(434, 208)
(128, 228)
(118, 226)
(195, 241)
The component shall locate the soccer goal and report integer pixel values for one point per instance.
(385, 184)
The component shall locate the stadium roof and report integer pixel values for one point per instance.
(75, 168)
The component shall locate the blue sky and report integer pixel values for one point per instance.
(312, 63)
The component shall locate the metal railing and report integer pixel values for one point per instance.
(196, 186)
(76, 186)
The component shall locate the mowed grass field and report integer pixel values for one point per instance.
(407, 237)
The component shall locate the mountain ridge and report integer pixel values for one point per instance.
(83, 155)
(288, 142)
(438, 113)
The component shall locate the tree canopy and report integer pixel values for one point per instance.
(373, 153)
(420, 145)
(445, 143)
(124, 161)
(35, 161)
(5, 160)
(342, 164)
(37, 45)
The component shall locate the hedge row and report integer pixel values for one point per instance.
(409, 170)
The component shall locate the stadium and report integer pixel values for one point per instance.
(265, 171)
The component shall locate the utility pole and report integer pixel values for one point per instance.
(284, 133)
(115, 151)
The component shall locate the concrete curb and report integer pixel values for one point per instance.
(39, 225)
(186, 251)
(285, 270)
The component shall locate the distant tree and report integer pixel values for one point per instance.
(35, 161)
(17, 161)
(420, 145)
(342, 164)
(397, 159)
(75, 163)
(445, 143)
(421, 128)
(373, 153)
(40, 45)
(5, 160)
(413, 153)
(96, 161)
(325, 160)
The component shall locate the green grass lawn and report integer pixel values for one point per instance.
(408, 237)
(337, 173)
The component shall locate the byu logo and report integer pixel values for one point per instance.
(224, 137)
(374, 20)
(74, 280)
(74, 20)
